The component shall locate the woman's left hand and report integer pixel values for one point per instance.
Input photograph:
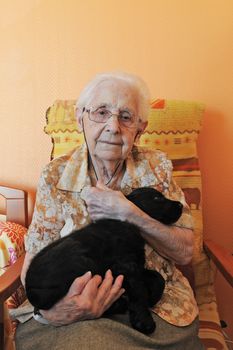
(103, 202)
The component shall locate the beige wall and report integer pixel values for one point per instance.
(183, 49)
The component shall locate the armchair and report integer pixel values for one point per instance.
(173, 127)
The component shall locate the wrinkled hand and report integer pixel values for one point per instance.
(103, 202)
(88, 298)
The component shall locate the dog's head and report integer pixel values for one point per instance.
(156, 205)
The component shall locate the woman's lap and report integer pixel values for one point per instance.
(106, 334)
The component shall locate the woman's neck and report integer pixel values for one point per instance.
(109, 172)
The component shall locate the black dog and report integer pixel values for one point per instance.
(102, 245)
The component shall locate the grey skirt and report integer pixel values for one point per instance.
(113, 333)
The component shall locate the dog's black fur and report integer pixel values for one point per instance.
(102, 245)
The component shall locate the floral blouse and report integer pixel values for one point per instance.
(60, 209)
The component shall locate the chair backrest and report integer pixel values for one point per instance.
(173, 127)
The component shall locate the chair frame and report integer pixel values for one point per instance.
(16, 211)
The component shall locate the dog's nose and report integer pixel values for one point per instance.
(178, 204)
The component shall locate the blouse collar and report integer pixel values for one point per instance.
(75, 175)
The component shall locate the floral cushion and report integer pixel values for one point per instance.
(11, 243)
(11, 248)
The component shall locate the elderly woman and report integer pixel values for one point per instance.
(89, 184)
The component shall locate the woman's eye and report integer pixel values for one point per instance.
(125, 116)
(102, 112)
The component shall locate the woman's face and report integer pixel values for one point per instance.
(110, 141)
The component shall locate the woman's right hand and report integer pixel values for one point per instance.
(88, 298)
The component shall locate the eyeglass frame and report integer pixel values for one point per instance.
(111, 114)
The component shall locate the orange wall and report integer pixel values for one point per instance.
(182, 49)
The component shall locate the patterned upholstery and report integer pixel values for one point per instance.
(11, 248)
(173, 127)
(11, 243)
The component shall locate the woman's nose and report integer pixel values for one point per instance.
(113, 124)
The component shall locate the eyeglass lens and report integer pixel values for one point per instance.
(101, 115)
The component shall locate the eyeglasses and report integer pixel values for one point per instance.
(102, 115)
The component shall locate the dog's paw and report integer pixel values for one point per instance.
(144, 324)
(155, 284)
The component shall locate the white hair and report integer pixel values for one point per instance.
(133, 81)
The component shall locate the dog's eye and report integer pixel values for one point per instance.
(157, 198)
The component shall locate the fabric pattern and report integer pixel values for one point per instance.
(11, 243)
(60, 207)
(11, 248)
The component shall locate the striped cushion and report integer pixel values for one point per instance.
(211, 336)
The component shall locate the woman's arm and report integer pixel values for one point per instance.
(26, 263)
(172, 242)
(88, 297)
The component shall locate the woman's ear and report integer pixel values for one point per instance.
(79, 117)
(141, 128)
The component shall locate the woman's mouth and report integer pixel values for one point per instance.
(112, 143)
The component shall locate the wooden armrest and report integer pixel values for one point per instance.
(10, 280)
(222, 258)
